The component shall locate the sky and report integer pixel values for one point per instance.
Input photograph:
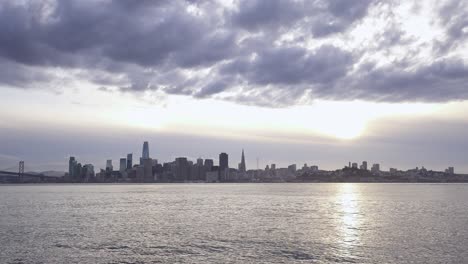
(321, 82)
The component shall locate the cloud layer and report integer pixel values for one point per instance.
(273, 53)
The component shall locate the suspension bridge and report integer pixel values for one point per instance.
(16, 174)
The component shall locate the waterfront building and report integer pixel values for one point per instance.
(292, 168)
(129, 161)
(140, 173)
(223, 161)
(364, 165)
(123, 165)
(181, 169)
(375, 168)
(109, 166)
(450, 170)
(242, 167)
(208, 164)
(211, 176)
(147, 170)
(71, 167)
(145, 152)
(88, 172)
(223, 165)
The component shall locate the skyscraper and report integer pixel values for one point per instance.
(208, 164)
(364, 165)
(123, 165)
(145, 154)
(200, 162)
(182, 169)
(109, 166)
(242, 167)
(71, 167)
(223, 161)
(147, 170)
(129, 161)
(223, 166)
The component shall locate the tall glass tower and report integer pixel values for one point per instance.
(145, 154)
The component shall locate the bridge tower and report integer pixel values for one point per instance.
(21, 171)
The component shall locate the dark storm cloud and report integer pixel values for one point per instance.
(321, 17)
(245, 53)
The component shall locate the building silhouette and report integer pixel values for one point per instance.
(208, 164)
(129, 161)
(123, 165)
(223, 166)
(145, 154)
(109, 166)
(242, 167)
(71, 167)
(181, 169)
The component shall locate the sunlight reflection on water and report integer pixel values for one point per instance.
(234, 223)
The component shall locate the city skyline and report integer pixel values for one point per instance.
(223, 162)
(182, 169)
(291, 81)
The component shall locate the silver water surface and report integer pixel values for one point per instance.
(234, 223)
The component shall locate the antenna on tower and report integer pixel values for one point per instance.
(257, 163)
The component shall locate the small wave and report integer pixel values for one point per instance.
(62, 246)
(298, 255)
(117, 247)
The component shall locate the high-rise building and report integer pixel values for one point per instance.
(145, 154)
(140, 173)
(123, 165)
(292, 168)
(148, 170)
(242, 167)
(109, 166)
(200, 162)
(129, 161)
(71, 167)
(77, 173)
(364, 165)
(208, 164)
(223, 166)
(223, 161)
(181, 169)
(375, 168)
(88, 172)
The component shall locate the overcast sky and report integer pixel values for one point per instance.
(321, 82)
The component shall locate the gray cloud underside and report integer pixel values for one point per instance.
(202, 49)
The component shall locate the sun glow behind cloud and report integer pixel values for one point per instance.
(180, 114)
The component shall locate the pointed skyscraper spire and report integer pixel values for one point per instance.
(242, 167)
